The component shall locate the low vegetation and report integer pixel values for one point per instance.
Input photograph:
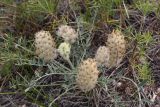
(79, 53)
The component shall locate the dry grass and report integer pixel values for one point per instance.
(28, 81)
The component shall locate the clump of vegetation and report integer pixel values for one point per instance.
(143, 69)
(144, 73)
(78, 57)
(147, 6)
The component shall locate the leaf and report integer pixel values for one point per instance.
(6, 68)
(147, 101)
(142, 83)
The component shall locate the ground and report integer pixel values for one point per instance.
(28, 81)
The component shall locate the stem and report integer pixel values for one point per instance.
(50, 105)
(70, 63)
(140, 99)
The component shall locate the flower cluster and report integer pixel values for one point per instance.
(117, 46)
(112, 54)
(87, 75)
(64, 50)
(45, 46)
(67, 33)
(102, 56)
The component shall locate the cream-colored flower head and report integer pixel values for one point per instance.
(87, 75)
(64, 50)
(117, 46)
(67, 33)
(102, 56)
(45, 46)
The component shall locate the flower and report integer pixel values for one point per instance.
(64, 50)
(117, 47)
(67, 33)
(45, 46)
(87, 75)
(102, 56)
